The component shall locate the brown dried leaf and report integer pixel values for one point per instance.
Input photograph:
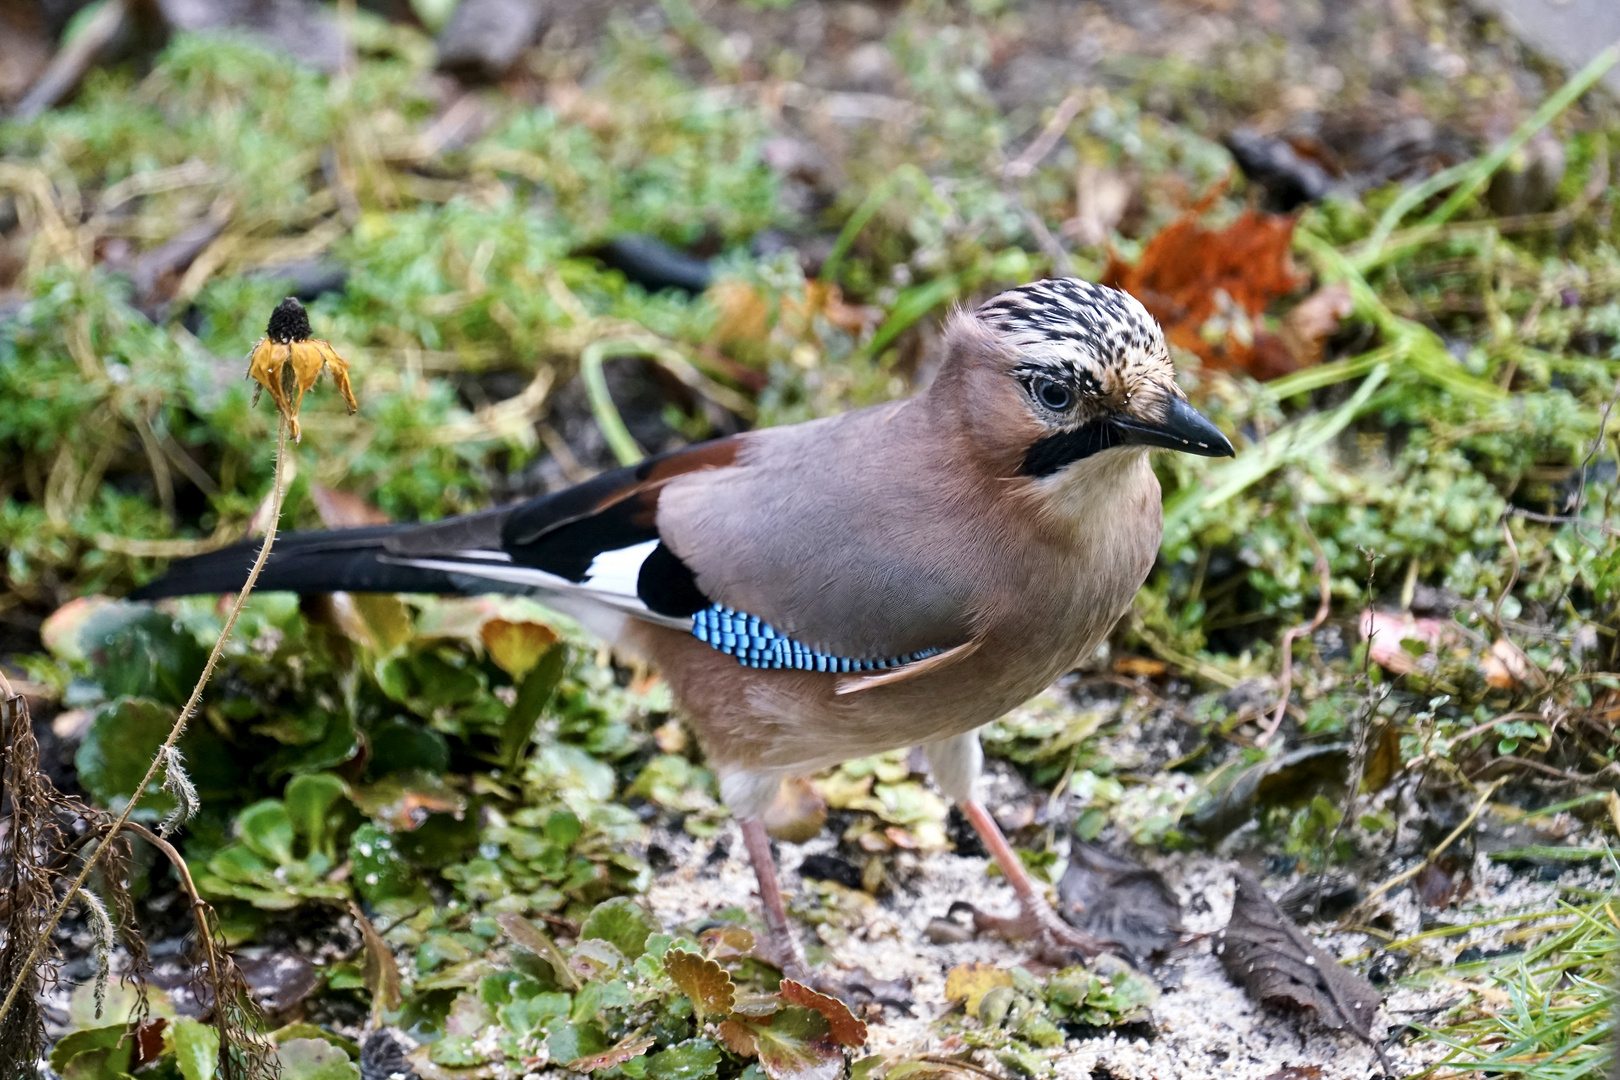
(843, 1024)
(342, 510)
(526, 935)
(798, 812)
(968, 983)
(725, 942)
(1313, 321)
(614, 1055)
(702, 980)
(516, 646)
(379, 969)
(1506, 667)
(1268, 957)
(1384, 761)
(1297, 1072)
(1209, 288)
(1117, 899)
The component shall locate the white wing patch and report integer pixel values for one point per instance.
(609, 583)
(617, 571)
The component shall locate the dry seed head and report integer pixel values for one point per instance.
(101, 933)
(180, 788)
(287, 354)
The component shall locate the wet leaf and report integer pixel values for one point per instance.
(570, 1041)
(703, 981)
(516, 646)
(378, 871)
(314, 1059)
(614, 1055)
(1267, 956)
(968, 983)
(842, 1023)
(692, 1060)
(1117, 899)
(621, 922)
(794, 1043)
(403, 801)
(726, 942)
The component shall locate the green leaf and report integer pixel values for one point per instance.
(689, 1061)
(400, 745)
(379, 872)
(267, 830)
(138, 651)
(196, 1048)
(622, 922)
(99, 1046)
(455, 1051)
(568, 1041)
(793, 1043)
(536, 692)
(309, 800)
(315, 1059)
(120, 744)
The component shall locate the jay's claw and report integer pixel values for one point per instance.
(1056, 942)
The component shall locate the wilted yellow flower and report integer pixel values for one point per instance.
(287, 344)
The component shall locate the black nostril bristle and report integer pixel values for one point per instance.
(288, 323)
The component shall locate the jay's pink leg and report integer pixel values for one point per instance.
(1056, 941)
(783, 949)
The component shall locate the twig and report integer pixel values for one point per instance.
(68, 67)
(278, 493)
(618, 437)
(1025, 163)
(1439, 849)
(1293, 634)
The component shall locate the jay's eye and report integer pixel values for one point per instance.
(1054, 395)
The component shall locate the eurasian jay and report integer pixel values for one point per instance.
(895, 576)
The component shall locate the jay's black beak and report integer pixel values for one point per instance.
(1183, 428)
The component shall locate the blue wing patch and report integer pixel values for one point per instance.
(759, 644)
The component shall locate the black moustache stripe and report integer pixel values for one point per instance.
(1054, 452)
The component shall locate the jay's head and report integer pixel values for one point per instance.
(1074, 370)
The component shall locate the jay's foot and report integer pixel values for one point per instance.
(1056, 942)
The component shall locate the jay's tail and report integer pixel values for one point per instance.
(342, 560)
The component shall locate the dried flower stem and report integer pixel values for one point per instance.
(277, 494)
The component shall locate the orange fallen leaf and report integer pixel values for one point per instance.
(1209, 287)
(1506, 666)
